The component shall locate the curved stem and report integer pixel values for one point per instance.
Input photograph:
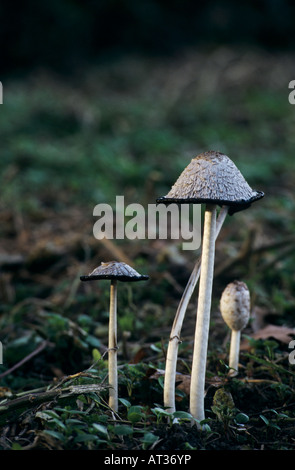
(198, 374)
(172, 351)
(112, 350)
(234, 352)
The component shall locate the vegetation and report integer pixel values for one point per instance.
(129, 128)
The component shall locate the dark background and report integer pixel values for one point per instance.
(63, 34)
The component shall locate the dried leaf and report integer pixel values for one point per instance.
(280, 333)
(182, 381)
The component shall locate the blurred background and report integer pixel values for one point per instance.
(67, 33)
(106, 98)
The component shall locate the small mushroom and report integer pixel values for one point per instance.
(114, 271)
(235, 311)
(210, 178)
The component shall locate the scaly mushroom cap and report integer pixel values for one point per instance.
(235, 305)
(212, 177)
(114, 270)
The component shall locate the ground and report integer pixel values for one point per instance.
(129, 128)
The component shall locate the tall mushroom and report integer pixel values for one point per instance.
(113, 271)
(213, 179)
(172, 350)
(235, 311)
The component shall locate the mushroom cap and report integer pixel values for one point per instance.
(114, 270)
(235, 305)
(212, 177)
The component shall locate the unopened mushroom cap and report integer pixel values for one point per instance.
(212, 177)
(235, 305)
(114, 270)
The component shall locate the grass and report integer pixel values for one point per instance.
(129, 128)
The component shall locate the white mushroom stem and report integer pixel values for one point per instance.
(172, 350)
(234, 352)
(112, 350)
(198, 373)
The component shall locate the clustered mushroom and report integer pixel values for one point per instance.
(235, 311)
(113, 271)
(172, 350)
(212, 179)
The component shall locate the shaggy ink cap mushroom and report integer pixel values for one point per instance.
(235, 305)
(113, 271)
(172, 349)
(235, 311)
(212, 178)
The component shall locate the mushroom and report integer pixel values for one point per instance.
(210, 178)
(114, 271)
(172, 350)
(235, 311)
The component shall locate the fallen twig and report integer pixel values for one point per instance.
(25, 359)
(33, 399)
